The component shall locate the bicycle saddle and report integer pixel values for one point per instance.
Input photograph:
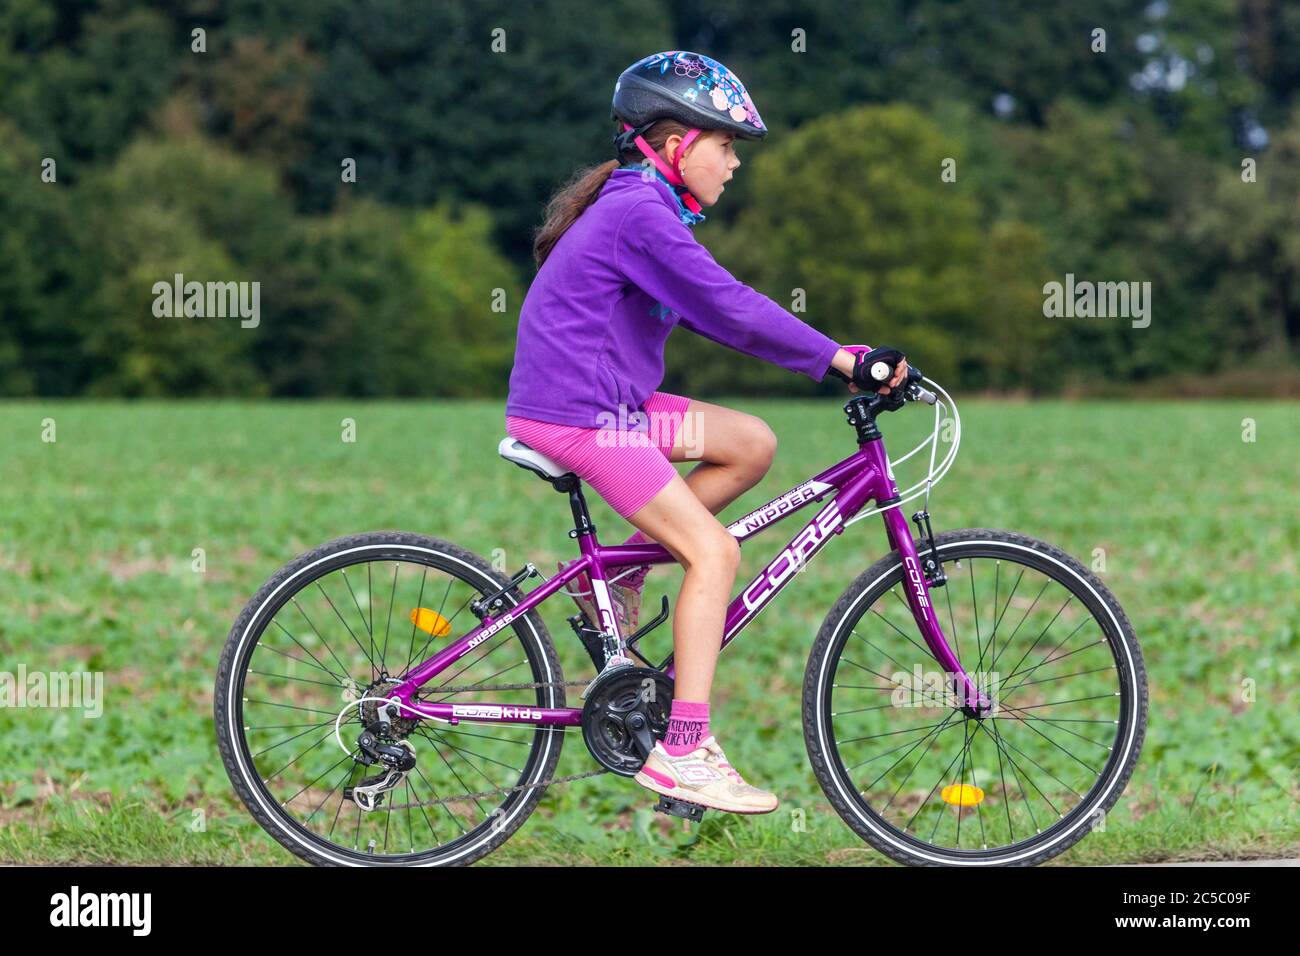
(512, 449)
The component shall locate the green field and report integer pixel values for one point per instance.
(99, 529)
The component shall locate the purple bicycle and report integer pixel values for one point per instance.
(973, 698)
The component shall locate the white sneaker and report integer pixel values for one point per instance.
(704, 777)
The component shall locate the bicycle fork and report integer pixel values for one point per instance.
(916, 582)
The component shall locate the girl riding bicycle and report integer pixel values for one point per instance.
(618, 269)
(1008, 754)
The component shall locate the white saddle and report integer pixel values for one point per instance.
(512, 449)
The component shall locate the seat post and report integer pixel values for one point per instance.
(581, 518)
(577, 503)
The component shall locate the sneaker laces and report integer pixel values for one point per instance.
(715, 754)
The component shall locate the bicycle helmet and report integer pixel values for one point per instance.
(692, 89)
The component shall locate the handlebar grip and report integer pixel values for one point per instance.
(874, 369)
(883, 361)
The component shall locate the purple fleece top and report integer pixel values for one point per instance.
(594, 322)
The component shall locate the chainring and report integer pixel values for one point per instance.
(625, 712)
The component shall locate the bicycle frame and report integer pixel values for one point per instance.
(856, 481)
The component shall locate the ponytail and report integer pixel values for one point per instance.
(568, 204)
(585, 185)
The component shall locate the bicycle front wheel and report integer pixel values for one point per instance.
(924, 782)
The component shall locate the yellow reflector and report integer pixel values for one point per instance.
(962, 795)
(431, 622)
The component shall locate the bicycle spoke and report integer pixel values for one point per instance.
(419, 602)
(925, 651)
(301, 680)
(431, 638)
(288, 739)
(349, 628)
(993, 634)
(1055, 744)
(339, 810)
(343, 667)
(272, 776)
(1038, 638)
(466, 754)
(874, 648)
(908, 825)
(357, 604)
(459, 779)
(865, 668)
(928, 740)
(309, 653)
(886, 753)
(889, 733)
(1055, 723)
(1047, 659)
(1048, 680)
(445, 808)
(938, 818)
(308, 786)
(271, 703)
(392, 599)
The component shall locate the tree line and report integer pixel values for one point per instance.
(377, 170)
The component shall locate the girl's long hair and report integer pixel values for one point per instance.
(585, 185)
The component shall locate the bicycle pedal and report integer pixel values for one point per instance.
(679, 808)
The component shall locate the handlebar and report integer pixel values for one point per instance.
(876, 368)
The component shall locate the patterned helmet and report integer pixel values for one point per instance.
(691, 88)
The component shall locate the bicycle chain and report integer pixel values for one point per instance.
(473, 687)
(505, 791)
(501, 790)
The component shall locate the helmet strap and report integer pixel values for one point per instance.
(671, 173)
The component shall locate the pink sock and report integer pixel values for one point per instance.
(688, 724)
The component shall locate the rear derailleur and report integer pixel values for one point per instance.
(397, 760)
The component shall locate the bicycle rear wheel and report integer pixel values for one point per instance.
(927, 784)
(335, 626)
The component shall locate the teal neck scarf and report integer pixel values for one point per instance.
(686, 216)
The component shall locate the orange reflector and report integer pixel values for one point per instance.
(431, 622)
(962, 795)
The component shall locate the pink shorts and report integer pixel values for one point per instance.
(626, 467)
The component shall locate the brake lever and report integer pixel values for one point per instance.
(918, 394)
